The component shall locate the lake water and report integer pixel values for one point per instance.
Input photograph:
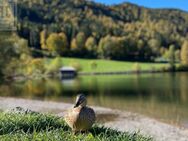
(162, 96)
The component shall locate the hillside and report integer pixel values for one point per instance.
(92, 30)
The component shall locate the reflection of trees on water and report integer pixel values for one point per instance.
(159, 95)
(184, 88)
(166, 88)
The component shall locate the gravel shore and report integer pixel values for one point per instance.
(120, 120)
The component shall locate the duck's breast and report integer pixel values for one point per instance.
(71, 116)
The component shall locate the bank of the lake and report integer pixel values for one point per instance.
(49, 68)
(115, 119)
(29, 125)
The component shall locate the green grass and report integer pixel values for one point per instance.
(109, 65)
(41, 127)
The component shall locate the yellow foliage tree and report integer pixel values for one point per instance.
(54, 66)
(91, 44)
(184, 53)
(43, 37)
(57, 43)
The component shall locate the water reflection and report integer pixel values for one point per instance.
(163, 96)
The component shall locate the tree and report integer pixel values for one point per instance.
(104, 45)
(73, 44)
(43, 37)
(78, 44)
(177, 55)
(10, 49)
(64, 40)
(111, 47)
(80, 40)
(34, 38)
(54, 66)
(172, 56)
(91, 46)
(154, 44)
(57, 43)
(35, 66)
(184, 53)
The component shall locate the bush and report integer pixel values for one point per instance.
(76, 65)
(182, 68)
(54, 66)
(165, 68)
(36, 66)
(93, 65)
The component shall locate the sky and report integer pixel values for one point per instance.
(178, 4)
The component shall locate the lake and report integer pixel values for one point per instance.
(163, 96)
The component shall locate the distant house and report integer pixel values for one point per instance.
(68, 72)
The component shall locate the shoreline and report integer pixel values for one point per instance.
(125, 72)
(58, 75)
(115, 119)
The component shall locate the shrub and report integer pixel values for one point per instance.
(54, 66)
(76, 65)
(93, 65)
(35, 66)
(165, 68)
(182, 68)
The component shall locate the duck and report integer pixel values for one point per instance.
(81, 117)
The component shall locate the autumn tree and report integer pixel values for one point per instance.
(79, 41)
(172, 58)
(57, 43)
(11, 48)
(111, 47)
(54, 65)
(78, 45)
(184, 53)
(43, 37)
(177, 55)
(91, 46)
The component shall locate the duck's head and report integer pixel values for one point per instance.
(80, 101)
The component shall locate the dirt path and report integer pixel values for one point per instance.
(123, 121)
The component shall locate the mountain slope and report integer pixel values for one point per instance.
(146, 32)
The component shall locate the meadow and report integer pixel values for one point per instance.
(42, 127)
(99, 65)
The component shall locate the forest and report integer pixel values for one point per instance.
(85, 29)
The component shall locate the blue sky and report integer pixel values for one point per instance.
(179, 4)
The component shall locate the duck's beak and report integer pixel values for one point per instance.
(77, 104)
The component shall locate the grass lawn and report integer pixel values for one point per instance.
(110, 66)
(41, 127)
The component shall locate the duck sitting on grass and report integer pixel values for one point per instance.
(80, 118)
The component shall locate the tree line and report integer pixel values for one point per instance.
(81, 28)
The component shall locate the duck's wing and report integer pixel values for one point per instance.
(88, 114)
(91, 114)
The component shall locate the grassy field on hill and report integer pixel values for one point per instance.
(40, 127)
(96, 65)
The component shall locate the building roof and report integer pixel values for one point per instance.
(67, 69)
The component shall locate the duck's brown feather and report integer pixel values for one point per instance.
(80, 118)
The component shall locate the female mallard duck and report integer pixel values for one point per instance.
(81, 117)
